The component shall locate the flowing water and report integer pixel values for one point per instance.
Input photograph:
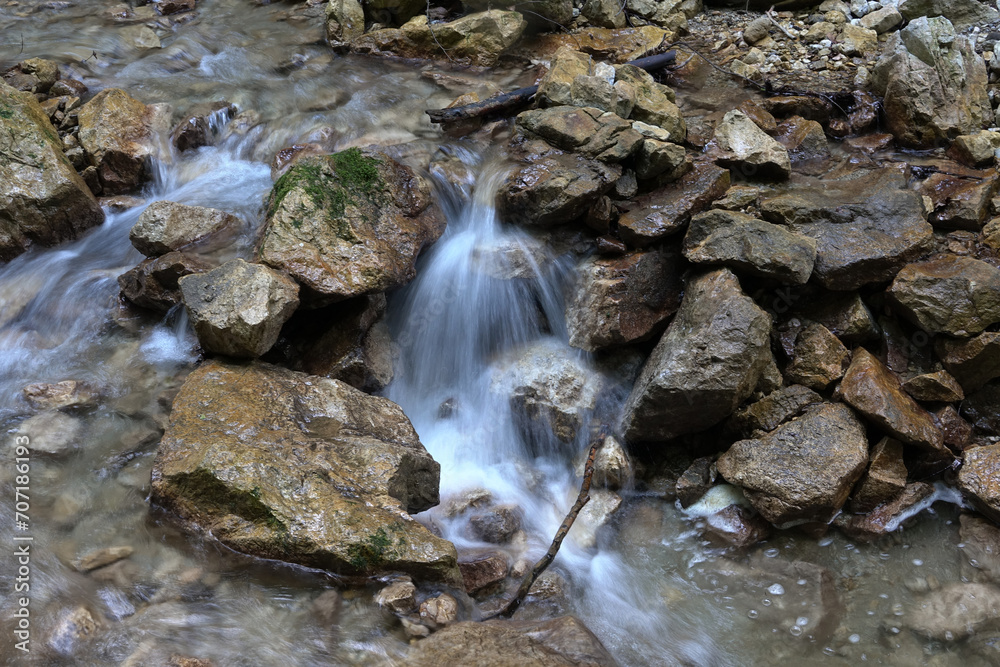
(647, 583)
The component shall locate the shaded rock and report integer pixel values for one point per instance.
(604, 13)
(774, 409)
(278, 465)
(101, 557)
(981, 554)
(348, 224)
(166, 226)
(978, 149)
(167, 7)
(845, 315)
(885, 478)
(757, 30)
(972, 362)
(809, 107)
(345, 22)
(957, 432)
(199, 128)
(696, 481)
(556, 85)
(958, 296)
(938, 386)
(737, 526)
(595, 514)
(399, 597)
(665, 211)
(154, 283)
(738, 198)
(238, 309)
(439, 610)
(887, 517)
(657, 158)
(751, 245)
(960, 203)
(955, 611)
(496, 525)
(962, 13)
(784, 483)
(592, 132)
(819, 358)
(485, 574)
(933, 84)
(979, 481)
(392, 12)
(739, 144)
(555, 643)
(42, 198)
(874, 391)
(982, 409)
(620, 300)
(475, 39)
(706, 364)
(52, 432)
(613, 468)
(803, 139)
(616, 45)
(115, 131)
(56, 395)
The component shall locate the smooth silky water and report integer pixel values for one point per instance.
(647, 583)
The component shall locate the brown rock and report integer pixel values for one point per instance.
(497, 525)
(484, 574)
(960, 203)
(57, 395)
(166, 226)
(887, 517)
(885, 478)
(737, 526)
(981, 553)
(819, 358)
(955, 612)
(101, 557)
(439, 610)
(154, 284)
(616, 45)
(774, 409)
(979, 479)
(399, 597)
(973, 362)
(196, 130)
(957, 432)
(695, 481)
(115, 132)
(761, 118)
(938, 387)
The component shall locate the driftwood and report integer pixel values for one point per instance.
(508, 610)
(506, 102)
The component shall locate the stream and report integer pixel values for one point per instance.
(647, 583)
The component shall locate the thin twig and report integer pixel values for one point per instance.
(430, 27)
(775, 22)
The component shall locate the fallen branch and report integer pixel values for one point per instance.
(508, 610)
(507, 101)
(770, 14)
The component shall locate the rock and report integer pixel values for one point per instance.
(695, 481)
(327, 607)
(937, 386)
(973, 362)
(555, 188)
(484, 574)
(238, 309)
(783, 484)
(345, 22)
(855, 41)
(71, 628)
(166, 226)
(865, 232)
(659, 159)
(591, 132)
(476, 39)
(706, 364)
(101, 557)
(958, 296)
(554, 643)
(348, 224)
(613, 468)
(154, 283)
(960, 203)
(58, 395)
(45, 71)
(981, 554)
(745, 243)
(115, 132)
(774, 409)
(42, 198)
(551, 391)
(978, 149)
(983, 409)
(616, 45)
(885, 478)
(955, 611)
(991, 234)
(957, 432)
(399, 597)
(393, 12)
(872, 389)
(887, 517)
(200, 127)
(757, 30)
(882, 20)
(819, 359)
(803, 139)
(439, 610)
(844, 314)
(933, 84)
(666, 210)
(52, 432)
(595, 514)
(497, 525)
(604, 13)
(141, 37)
(167, 7)
(556, 85)
(738, 143)
(303, 469)
(654, 102)
(962, 13)
(621, 300)
(979, 481)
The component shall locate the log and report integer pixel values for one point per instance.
(506, 102)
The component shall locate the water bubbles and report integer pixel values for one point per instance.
(973, 562)
(772, 552)
(885, 556)
(776, 589)
(825, 542)
(766, 602)
(802, 582)
(828, 650)
(795, 630)
(802, 621)
(753, 613)
(854, 639)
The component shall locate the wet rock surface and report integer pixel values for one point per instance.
(885, 478)
(115, 132)
(155, 283)
(739, 144)
(979, 479)
(958, 296)
(167, 226)
(955, 612)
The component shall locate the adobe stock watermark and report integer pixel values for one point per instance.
(22, 544)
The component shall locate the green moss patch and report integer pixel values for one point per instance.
(376, 550)
(206, 492)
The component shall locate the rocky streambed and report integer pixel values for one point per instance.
(303, 379)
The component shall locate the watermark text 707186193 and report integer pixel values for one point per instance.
(22, 544)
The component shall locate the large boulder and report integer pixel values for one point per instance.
(115, 132)
(933, 84)
(42, 198)
(708, 362)
(349, 224)
(238, 309)
(620, 300)
(803, 470)
(739, 144)
(166, 226)
(958, 296)
(345, 22)
(979, 479)
(476, 39)
(963, 14)
(300, 468)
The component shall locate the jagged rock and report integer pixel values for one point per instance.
(695, 481)
(620, 300)
(960, 203)
(745, 243)
(973, 362)
(666, 210)
(845, 315)
(484, 574)
(883, 20)
(857, 41)
(739, 144)
(349, 224)
(154, 283)
(238, 309)
(555, 643)
(196, 129)
(783, 484)
(616, 45)
(803, 139)
(612, 466)
(957, 432)
(574, 79)
(604, 13)
(556, 86)
(42, 198)
(496, 525)
(166, 226)
(962, 13)
(933, 84)
(874, 391)
(977, 149)
(300, 468)
(979, 481)
(888, 516)
(592, 132)
(885, 478)
(654, 102)
(774, 409)
(819, 358)
(659, 159)
(706, 364)
(958, 296)
(345, 22)
(57, 395)
(937, 386)
(955, 611)
(115, 132)
(595, 514)
(399, 597)
(475, 39)
(439, 610)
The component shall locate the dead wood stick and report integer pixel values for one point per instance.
(546, 560)
(507, 101)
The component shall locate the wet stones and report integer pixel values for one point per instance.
(196, 129)
(706, 364)
(958, 296)
(345, 22)
(888, 516)
(166, 226)
(979, 481)
(739, 144)
(819, 358)
(154, 283)
(955, 612)
(937, 386)
(115, 131)
(496, 525)
(601, 135)
(885, 478)
(484, 574)
(972, 362)
(238, 309)
(774, 409)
